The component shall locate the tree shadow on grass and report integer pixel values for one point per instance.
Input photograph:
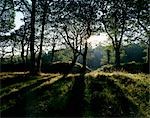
(108, 99)
(75, 106)
(23, 98)
(70, 104)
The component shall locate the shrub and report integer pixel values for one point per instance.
(131, 67)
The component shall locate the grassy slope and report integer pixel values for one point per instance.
(99, 94)
(122, 94)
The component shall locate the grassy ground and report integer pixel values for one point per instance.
(96, 94)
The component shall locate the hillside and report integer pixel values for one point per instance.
(97, 94)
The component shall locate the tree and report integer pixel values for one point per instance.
(24, 31)
(44, 17)
(82, 14)
(131, 55)
(73, 39)
(32, 38)
(114, 20)
(138, 28)
(142, 8)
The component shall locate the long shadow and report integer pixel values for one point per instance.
(23, 96)
(23, 90)
(13, 80)
(121, 106)
(75, 106)
(20, 78)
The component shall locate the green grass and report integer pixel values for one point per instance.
(134, 87)
(97, 94)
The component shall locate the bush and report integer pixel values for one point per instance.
(20, 67)
(62, 67)
(131, 67)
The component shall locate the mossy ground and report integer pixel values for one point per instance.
(96, 94)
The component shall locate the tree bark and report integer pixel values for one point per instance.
(75, 56)
(53, 51)
(148, 56)
(22, 45)
(39, 61)
(108, 56)
(12, 51)
(84, 58)
(27, 52)
(22, 52)
(32, 39)
(117, 57)
(74, 60)
(12, 56)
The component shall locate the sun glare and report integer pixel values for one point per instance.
(95, 40)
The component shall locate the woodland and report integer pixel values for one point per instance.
(48, 67)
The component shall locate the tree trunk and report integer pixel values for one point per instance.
(27, 52)
(148, 56)
(2, 56)
(12, 51)
(22, 45)
(39, 61)
(108, 56)
(32, 39)
(84, 58)
(117, 57)
(22, 52)
(73, 61)
(53, 51)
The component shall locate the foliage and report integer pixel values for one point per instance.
(7, 16)
(134, 52)
(130, 67)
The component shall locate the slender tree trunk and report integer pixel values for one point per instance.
(12, 56)
(108, 56)
(75, 56)
(53, 51)
(74, 61)
(12, 51)
(39, 61)
(22, 52)
(22, 45)
(32, 39)
(2, 56)
(148, 56)
(117, 57)
(27, 51)
(84, 58)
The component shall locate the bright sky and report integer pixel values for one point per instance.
(18, 21)
(98, 39)
(94, 39)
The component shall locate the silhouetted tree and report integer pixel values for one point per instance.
(45, 6)
(114, 21)
(32, 38)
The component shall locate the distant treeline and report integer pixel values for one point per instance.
(133, 59)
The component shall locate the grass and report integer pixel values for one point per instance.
(97, 94)
(134, 87)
